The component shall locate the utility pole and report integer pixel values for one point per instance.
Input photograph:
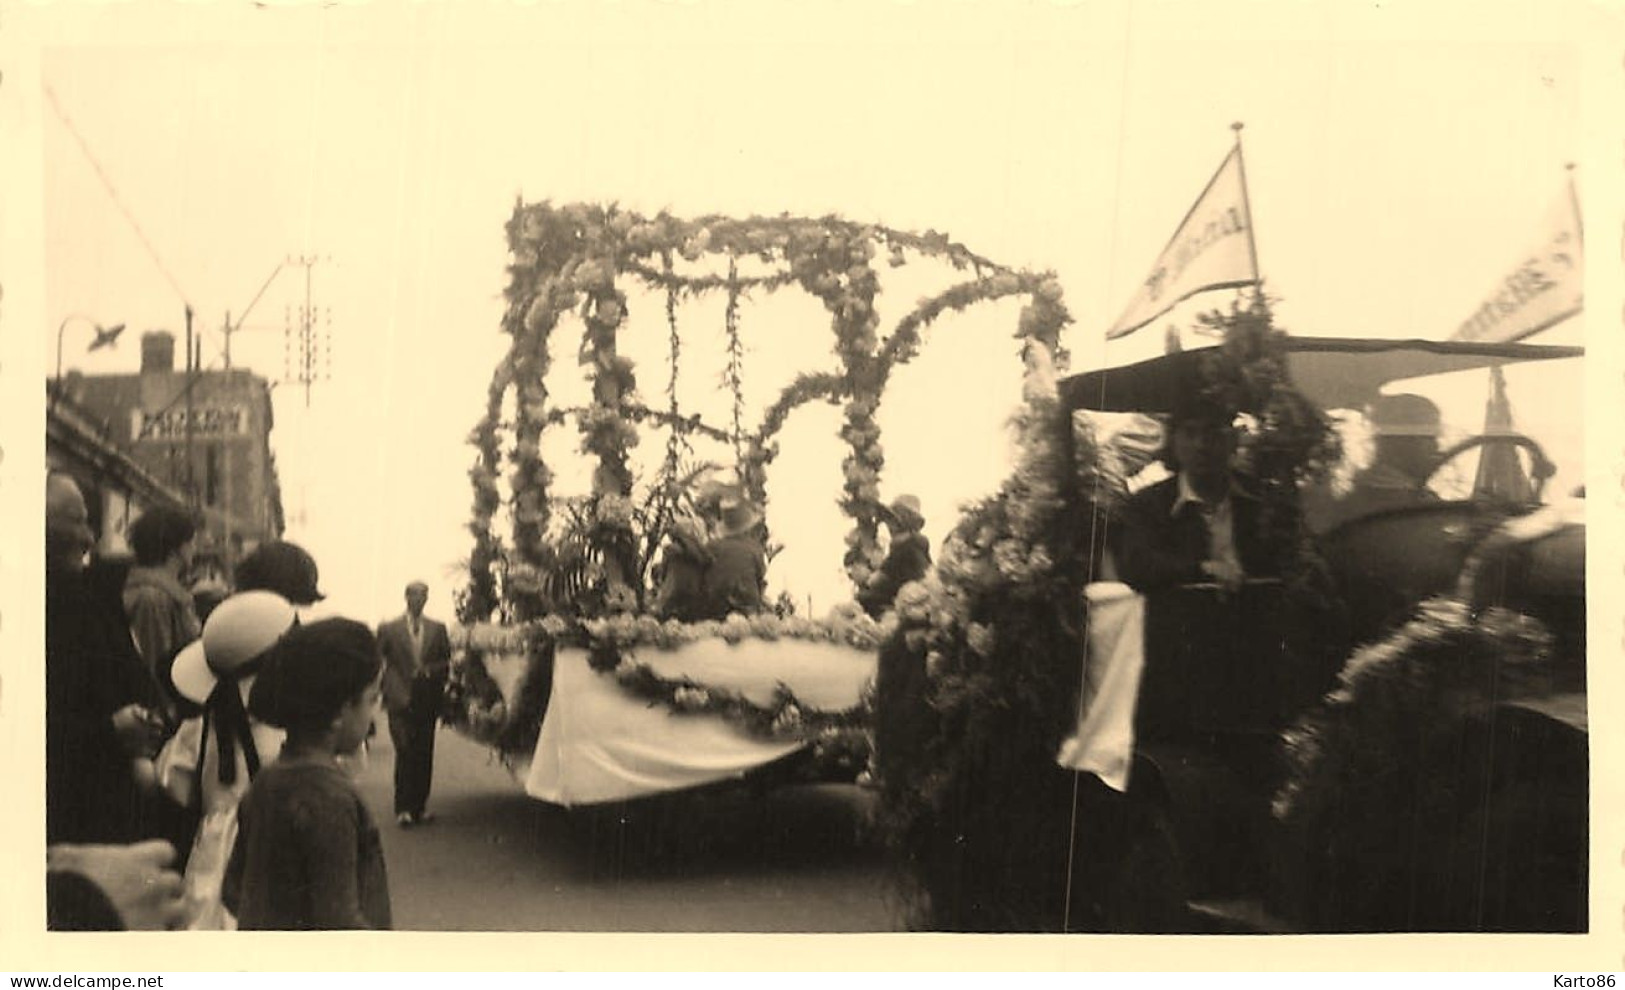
(191, 377)
(311, 352)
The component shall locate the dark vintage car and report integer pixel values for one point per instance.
(1462, 807)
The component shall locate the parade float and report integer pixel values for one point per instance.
(562, 665)
(1421, 673)
(1013, 793)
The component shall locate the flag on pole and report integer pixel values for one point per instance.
(1211, 249)
(1545, 287)
(1500, 473)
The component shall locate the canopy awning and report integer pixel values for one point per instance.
(1335, 372)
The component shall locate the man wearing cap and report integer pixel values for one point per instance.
(1406, 435)
(737, 577)
(907, 559)
(417, 660)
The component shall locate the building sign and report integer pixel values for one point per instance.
(208, 422)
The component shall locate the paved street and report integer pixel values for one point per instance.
(720, 860)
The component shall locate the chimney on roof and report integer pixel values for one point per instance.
(157, 352)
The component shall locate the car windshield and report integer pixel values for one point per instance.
(1544, 402)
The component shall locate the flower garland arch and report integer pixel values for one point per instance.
(576, 259)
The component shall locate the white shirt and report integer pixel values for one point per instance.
(1220, 518)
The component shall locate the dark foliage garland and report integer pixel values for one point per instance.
(904, 341)
(1379, 776)
(975, 696)
(785, 716)
(735, 373)
(676, 442)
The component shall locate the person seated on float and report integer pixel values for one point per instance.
(1241, 661)
(907, 559)
(683, 564)
(1405, 428)
(737, 576)
(1201, 525)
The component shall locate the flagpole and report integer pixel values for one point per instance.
(1247, 208)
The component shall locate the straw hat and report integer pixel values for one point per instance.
(905, 509)
(239, 629)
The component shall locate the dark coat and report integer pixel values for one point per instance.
(682, 583)
(1155, 549)
(737, 576)
(92, 669)
(908, 560)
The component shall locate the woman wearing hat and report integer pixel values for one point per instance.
(737, 576)
(208, 764)
(285, 568)
(908, 559)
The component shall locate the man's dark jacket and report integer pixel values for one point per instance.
(92, 670)
(1153, 548)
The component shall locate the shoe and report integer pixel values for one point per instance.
(406, 819)
(423, 818)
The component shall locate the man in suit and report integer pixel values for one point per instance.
(417, 659)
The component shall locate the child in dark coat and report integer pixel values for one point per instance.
(308, 854)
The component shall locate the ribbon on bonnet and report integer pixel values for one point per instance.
(240, 632)
(224, 708)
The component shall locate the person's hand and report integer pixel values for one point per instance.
(136, 880)
(1226, 574)
(139, 731)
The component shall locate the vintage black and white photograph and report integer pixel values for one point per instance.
(1090, 469)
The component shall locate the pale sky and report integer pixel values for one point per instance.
(1398, 160)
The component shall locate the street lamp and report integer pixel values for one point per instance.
(105, 337)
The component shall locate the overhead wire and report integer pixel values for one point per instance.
(112, 192)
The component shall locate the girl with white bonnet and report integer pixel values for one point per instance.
(208, 764)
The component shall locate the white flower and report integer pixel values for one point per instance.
(1009, 558)
(735, 627)
(788, 720)
(980, 638)
(690, 698)
(913, 602)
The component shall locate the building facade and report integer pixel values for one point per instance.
(206, 435)
(116, 489)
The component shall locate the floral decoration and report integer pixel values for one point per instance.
(568, 260)
(976, 688)
(838, 739)
(1377, 774)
